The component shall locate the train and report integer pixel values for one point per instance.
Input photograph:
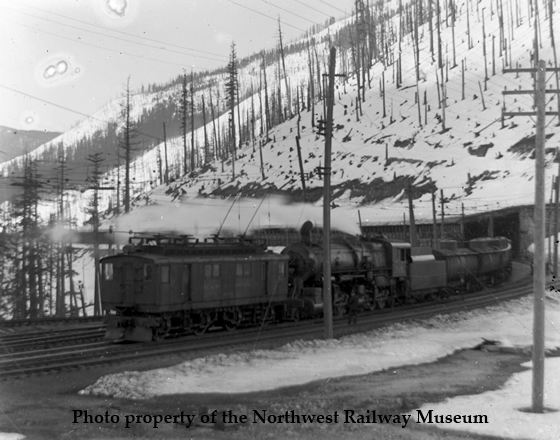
(164, 285)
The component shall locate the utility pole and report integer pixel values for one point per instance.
(442, 214)
(327, 296)
(165, 150)
(434, 220)
(549, 232)
(539, 275)
(556, 207)
(463, 221)
(60, 284)
(300, 161)
(413, 237)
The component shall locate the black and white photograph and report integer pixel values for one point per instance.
(279, 219)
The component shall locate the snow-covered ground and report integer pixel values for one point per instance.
(503, 407)
(11, 436)
(301, 362)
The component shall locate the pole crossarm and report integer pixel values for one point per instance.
(529, 113)
(527, 92)
(530, 70)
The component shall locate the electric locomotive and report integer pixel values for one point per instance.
(161, 285)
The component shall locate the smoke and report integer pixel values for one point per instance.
(60, 234)
(202, 217)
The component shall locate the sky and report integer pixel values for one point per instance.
(65, 59)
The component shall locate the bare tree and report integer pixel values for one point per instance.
(231, 92)
(129, 132)
(94, 179)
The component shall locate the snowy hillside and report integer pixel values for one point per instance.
(475, 161)
(393, 141)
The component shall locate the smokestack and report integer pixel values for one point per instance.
(306, 232)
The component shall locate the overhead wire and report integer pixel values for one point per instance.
(265, 15)
(288, 11)
(85, 43)
(118, 31)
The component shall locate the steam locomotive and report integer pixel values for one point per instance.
(163, 285)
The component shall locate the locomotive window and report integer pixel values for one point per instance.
(281, 270)
(108, 271)
(215, 270)
(148, 272)
(212, 271)
(243, 269)
(165, 274)
(186, 282)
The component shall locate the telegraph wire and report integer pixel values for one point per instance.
(120, 52)
(265, 15)
(311, 7)
(117, 31)
(289, 12)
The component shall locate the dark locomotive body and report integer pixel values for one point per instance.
(389, 272)
(164, 285)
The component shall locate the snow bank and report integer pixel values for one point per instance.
(304, 361)
(11, 436)
(505, 420)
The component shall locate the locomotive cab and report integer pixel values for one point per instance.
(400, 257)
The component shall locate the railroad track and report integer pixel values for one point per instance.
(37, 340)
(30, 322)
(100, 353)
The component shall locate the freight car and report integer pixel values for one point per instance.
(161, 285)
(478, 262)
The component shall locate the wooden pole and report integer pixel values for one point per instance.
(442, 215)
(418, 105)
(549, 231)
(539, 267)
(463, 221)
(481, 96)
(434, 220)
(413, 237)
(165, 152)
(383, 93)
(301, 168)
(556, 207)
(484, 51)
(327, 296)
(462, 80)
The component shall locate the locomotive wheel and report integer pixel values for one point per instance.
(157, 335)
(380, 304)
(229, 326)
(200, 330)
(296, 315)
(429, 297)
